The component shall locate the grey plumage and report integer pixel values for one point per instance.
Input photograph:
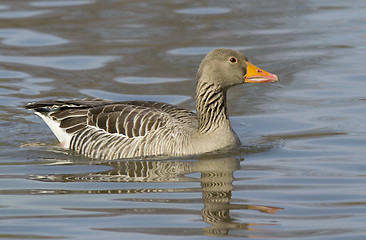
(106, 129)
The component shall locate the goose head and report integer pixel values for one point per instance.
(227, 67)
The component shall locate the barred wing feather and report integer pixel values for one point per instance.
(109, 130)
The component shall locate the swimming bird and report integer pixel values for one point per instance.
(105, 129)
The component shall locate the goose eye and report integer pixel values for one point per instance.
(233, 60)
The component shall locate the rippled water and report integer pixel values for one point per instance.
(301, 170)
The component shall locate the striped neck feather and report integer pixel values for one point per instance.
(210, 106)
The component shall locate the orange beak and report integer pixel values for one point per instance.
(257, 75)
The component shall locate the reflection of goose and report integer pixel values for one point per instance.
(216, 186)
(216, 183)
(112, 130)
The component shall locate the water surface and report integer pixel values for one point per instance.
(299, 174)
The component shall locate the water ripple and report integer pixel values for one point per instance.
(204, 11)
(29, 86)
(21, 14)
(61, 3)
(29, 38)
(202, 50)
(71, 63)
(147, 80)
(6, 74)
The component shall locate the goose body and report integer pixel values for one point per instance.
(106, 129)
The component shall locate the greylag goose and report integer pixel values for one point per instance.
(105, 129)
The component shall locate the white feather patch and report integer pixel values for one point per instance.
(60, 133)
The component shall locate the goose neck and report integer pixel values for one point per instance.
(210, 106)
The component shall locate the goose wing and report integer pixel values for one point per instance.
(129, 119)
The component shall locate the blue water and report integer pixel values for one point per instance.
(299, 174)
